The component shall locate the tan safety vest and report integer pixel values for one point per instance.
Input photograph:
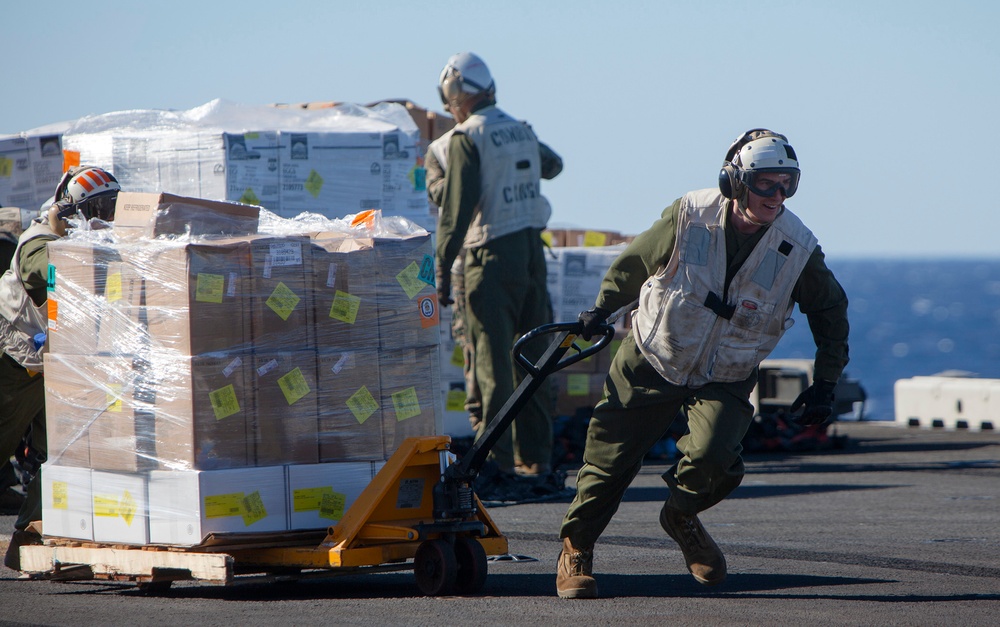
(20, 318)
(683, 326)
(510, 169)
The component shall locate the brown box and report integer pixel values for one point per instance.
(196, 295)
(412, 402)
(282, 308)
(350, 411)
(77, 296)
(203, 409)
(345, 299)
(92, 418)
(285, 393)
(151, 215)
(408, 308)
(576, 391)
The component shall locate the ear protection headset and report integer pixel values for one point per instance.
(729, 184)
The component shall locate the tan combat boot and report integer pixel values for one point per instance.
(574, 575)
(704, 559)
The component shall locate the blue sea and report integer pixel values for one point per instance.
(910, 318)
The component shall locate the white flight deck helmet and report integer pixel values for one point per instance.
(754, 152)
(464, 73)
(89, 190)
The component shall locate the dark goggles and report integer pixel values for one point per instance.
(101, 207)
(766, 183)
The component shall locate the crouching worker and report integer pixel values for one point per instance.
(83, 193)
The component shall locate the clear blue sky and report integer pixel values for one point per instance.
(891, 105)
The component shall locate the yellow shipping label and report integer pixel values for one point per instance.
(345, 307)
(283, 301)
(294, 386)
(457, 357)
(578, 385)
(309, 499)
(6, 167)
(314, 183)
(594, 238)
(224, 505)
(113, 398)
(127, 507)
(362, 404)
(60, 495)
(249, 198)
(406, 403)
(455, 401)
(209, 288)
(253, 508)
(547, 238)
(113, 287)
(332, 506)
(224, 402)
(105, 506)
(409, 280)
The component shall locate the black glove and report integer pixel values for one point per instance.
(443, 281)
(591, 320)
(818, 402)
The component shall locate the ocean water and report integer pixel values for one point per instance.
(911, 318)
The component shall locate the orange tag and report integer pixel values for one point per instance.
(71, 159)
(53, 308)
(365, 218)
(429, 316)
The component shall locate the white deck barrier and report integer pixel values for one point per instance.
(951, 403)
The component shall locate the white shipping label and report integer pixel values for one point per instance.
(233, 365)
(331, 275)
(346, 361)
(286, 254)
(268, 367)
(231, 290)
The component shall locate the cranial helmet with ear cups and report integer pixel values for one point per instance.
(464, 73)
(756, 151)
(87, 189)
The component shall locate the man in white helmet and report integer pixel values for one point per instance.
(716, 278)
(492, 208)
(84, 193)
(434, 163)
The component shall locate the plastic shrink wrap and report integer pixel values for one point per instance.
(251, 380)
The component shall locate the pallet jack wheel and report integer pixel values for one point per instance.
(435, 567)
(472, 565)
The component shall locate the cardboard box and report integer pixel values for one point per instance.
(79, 296)
(197, 296)
(253, 174)
(577, 391)
(67, 502)
(203, 409)
(411, 394)
(574, 278)
(336, 173)
(408, 308)
(342, 282)
(121, 510)
(350, 410)
(30, 169)
(285, 395)
(186, 506)
(88, 396)
(151, 215)
(319, 494)
(282, 307)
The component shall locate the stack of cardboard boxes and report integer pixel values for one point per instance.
(243, 382)
(30, 168)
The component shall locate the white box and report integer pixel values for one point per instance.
(951, 403)
(319, 494)
(186, 506)
(121, 513)
(30, 169)
(67, 506)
